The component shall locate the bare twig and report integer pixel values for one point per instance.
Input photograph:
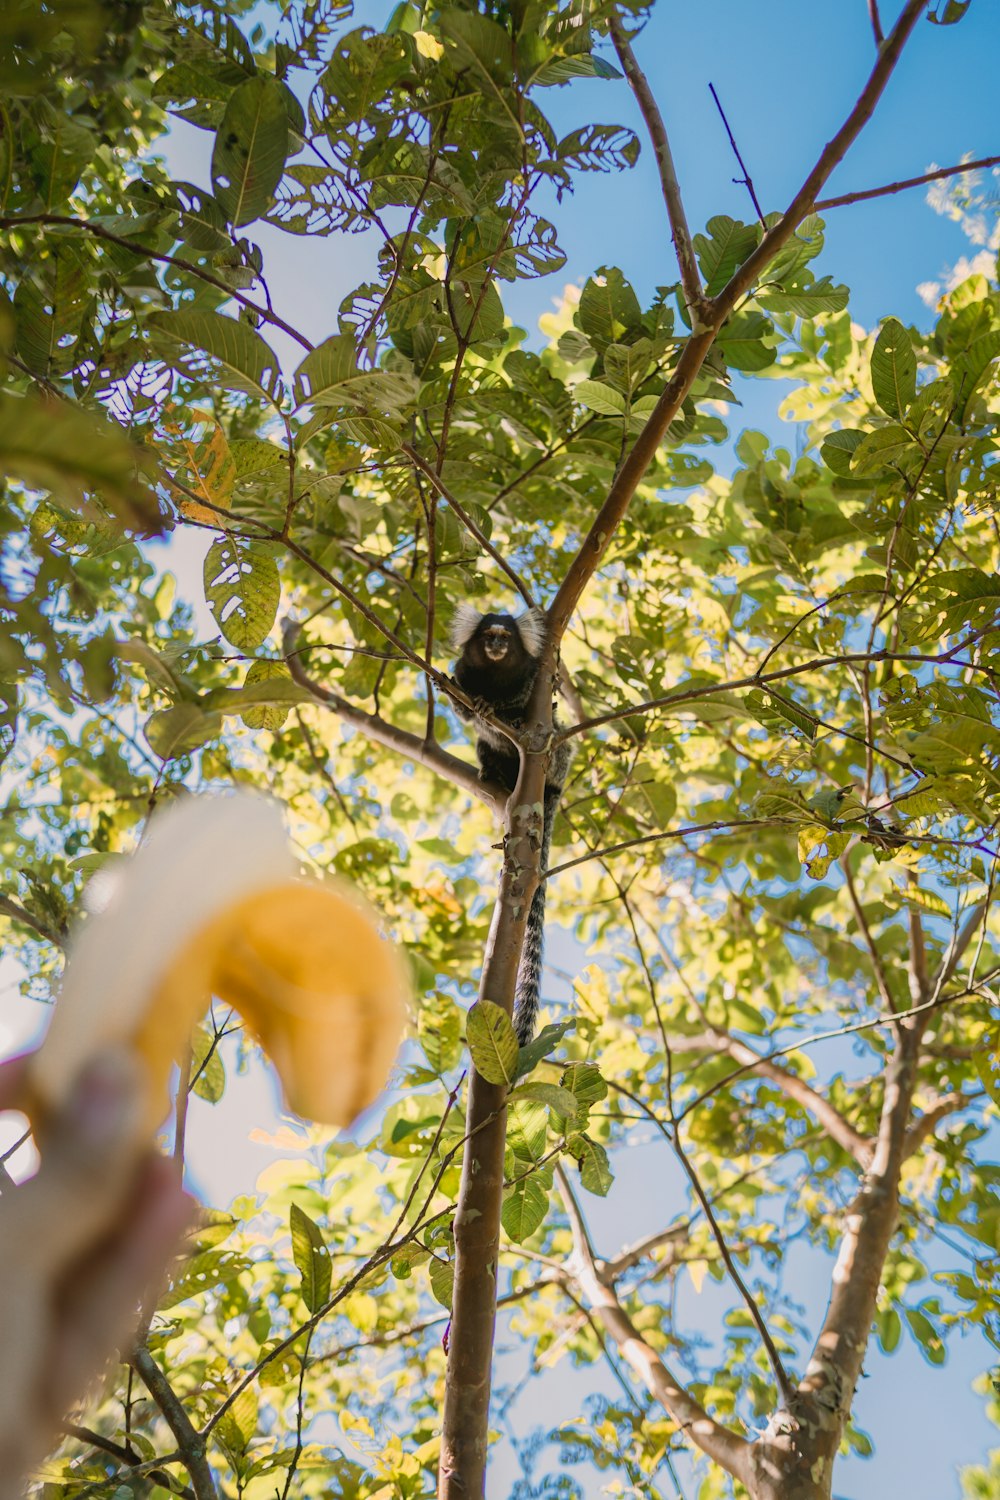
(99, 232)
(881, 977)
(876, 21)
(832, 154)
(907, 182)
(679, 231)
(746, 178)
(474, 531)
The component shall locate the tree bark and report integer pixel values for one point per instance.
(464, 1440)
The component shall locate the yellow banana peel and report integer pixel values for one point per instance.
(213, 904)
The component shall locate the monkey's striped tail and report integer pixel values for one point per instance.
(529, 974)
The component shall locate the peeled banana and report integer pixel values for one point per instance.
(213, 904)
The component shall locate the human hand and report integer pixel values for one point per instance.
(80, 1245)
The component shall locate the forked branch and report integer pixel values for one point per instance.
(725, 1448)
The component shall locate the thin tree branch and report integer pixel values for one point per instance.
(717, 826)
(832, 154)
(127, 1455)
(917, 966)
(725, 1448)
(876, 21)
(881, 977)
(907, 182)
(474, 531)
(850, 1029)
(823, 1112)
(722, 825)
(181, 1101)
(684, 695)
(919, 1131)
(99, 232)
(959, 945)
(746, 179)
(669, 185)
(17, 913)
(643, 450)
(190, 1442)
(413, 746)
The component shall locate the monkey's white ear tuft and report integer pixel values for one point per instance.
(532, 630)
(463, 625)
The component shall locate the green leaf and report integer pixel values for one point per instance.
(726, 246)
(599, 397)
(242, 589)
(439, 1029)
(239, 357)
(949, 12)
(312, 1259)
(557, 1099)
(442, 1278)
(894, 369)
(885, 447)
(805, 297)
(592, 1159)
(545, 1042)
(527, 1131)
(74, 454)
(986, 1061)
(208, 1073)
(584, 1082)
(267, 716)
(792, 714)
(581, 65)
(179, 730)
(325, 369)
(492, 1042)
(523, 1209)
(202, 223)
(609, 309)
(928, 1339)
(888, 1326)
(250, 149)
(838, 449)
(742, 342)
(599, 148)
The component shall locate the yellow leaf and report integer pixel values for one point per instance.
(428, 46)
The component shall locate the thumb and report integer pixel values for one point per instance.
(90, 1154)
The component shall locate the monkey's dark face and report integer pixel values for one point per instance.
(496, 642)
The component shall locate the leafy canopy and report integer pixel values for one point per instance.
(783, 806)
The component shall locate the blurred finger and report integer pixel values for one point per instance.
(98, 1308)
(89, 1161)
(12, 1075)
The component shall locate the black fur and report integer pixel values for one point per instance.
(497, 668)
